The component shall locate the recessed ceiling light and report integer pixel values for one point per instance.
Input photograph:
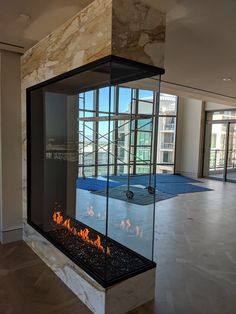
(226, 79)
(24, 17)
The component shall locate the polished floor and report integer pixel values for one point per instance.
(195, 248)
(230, 175)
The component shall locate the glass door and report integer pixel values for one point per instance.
(231, 154)
(216, 138)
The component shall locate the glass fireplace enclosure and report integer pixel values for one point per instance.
(89, 132)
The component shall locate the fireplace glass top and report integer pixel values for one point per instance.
(91, 151)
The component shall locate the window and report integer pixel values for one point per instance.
(167, 133)
(213, 140)
(97, 133)
(165, 157)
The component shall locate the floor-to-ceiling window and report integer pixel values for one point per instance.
(98, 133)
(167, 133)
(220, 145)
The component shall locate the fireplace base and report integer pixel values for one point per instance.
(117, 299)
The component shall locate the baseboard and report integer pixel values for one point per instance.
(8, 236)
(193, 175)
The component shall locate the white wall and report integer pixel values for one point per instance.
(10, 154)
(188, 153)
(214, 106)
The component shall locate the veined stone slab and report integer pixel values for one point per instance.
(117, 299)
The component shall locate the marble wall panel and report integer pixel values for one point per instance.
(138, 32)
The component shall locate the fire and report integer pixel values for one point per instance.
(90, 211)
(83, 233)
(128, 226)
(125, 224)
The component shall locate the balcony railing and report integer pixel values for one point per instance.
(217, 159)
(167, 145)
(168, 127)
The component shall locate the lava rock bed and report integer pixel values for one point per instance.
(107, 269)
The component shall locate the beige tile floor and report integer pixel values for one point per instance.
(195, 248)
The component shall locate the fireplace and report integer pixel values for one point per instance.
(91, 140)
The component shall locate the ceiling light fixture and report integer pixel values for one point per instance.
(24, 17)
(226, 79)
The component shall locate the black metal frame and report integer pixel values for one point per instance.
(227, 123)
(151, 71)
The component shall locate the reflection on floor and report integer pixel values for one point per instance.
(130, 222)
(195, 249)
(230, 175)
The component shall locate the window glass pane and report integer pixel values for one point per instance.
(142, 169)
(143, 153)
(144, 125)
(166, 140)
(104, 99)
(222, 115)
(124, 100)
(143, 138)
(146, 95)
(145, 107)
(165, 169)
(86, 100)
(168, 104)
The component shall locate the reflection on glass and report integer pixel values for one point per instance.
(168, 104)
(103, 103)
(221, 115)
(90, 141)
(166, 133)
(124, 100)
(215, 150)
(231, 164)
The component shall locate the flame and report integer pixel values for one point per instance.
(127, 225)
(57, 218)
(83, 233)
(90, 211)
(122, 224)
(139, 232)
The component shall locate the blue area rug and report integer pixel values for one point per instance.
(160, 178)
(93, 184)
(141, 196)
(180, 188)
(170, 184)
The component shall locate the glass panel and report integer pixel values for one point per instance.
(143, 138)
(85, 194)
(144, 125)
(221, 115)
(104, 99)
(215, 146)
(145, 103)
(166, 144)
(231, 165)
(168, 104)
(165, 169)
(124, 100)
(147, 95)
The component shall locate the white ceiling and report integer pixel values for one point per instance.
(200, 41)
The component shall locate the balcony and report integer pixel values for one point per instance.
(168, 127)
(167, 146)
